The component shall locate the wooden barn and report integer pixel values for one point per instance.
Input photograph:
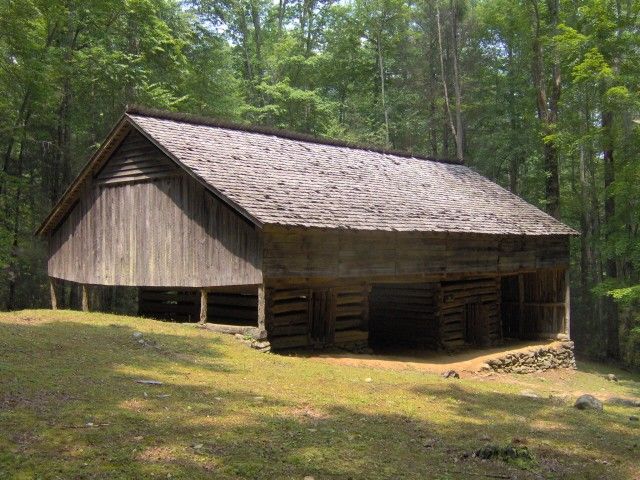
(305, 241)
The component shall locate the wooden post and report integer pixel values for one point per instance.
(203, 306)
(54, 293)
(567, 303)
(521, 329)
(262, 310)
(85, 298)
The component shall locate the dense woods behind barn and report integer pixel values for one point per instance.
(540, 96)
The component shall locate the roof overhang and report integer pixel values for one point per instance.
(97, 160)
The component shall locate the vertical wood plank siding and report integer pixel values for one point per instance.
(168, 231)
(534, 305)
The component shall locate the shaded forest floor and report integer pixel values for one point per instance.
(71, 407)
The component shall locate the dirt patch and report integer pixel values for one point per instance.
(38, 403)
(157, 454)
(307, 413)
(467, 361)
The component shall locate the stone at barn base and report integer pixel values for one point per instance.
(588, 402)
(260, 345)
(557, 355)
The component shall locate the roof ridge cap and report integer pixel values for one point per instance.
(278, 132)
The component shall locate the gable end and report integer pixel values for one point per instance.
(136, 159)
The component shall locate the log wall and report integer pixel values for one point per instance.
(316, 254)
(156, 228)
(301, 316)
(469, 312)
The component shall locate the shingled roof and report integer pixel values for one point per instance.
(286, 181)
(283, 179)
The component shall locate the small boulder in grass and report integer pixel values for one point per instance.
(612, 378)
(450, 374)
(149, 382)
(588, 402)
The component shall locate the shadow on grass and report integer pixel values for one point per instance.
(628, 379)
(70, 408)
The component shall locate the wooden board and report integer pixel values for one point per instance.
(165, 232)
(469, 312)
(299, 316)
(534, 304)
(223, 308)
(291, 253)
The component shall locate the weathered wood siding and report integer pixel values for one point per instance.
(534, 304)
(136, 159)
(299, 316)
(347, 254)
(469, 312)
(161, 231)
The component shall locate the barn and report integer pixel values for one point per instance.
(306, 242)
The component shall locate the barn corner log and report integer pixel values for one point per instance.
(521, 325)
(54, 293)
(85, 298)
(204, 299)
(261, 308)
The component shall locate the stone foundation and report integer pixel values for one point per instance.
(558, 355)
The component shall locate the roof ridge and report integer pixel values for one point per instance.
(274, 131)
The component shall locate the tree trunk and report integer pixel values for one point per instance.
(449, 115)
(382, 88)
(257, 34)
(547, 105)
(459, 134)
(610, 267)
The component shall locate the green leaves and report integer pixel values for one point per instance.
(593, 68)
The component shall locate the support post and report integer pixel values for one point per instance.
(54, 293)
(204, 299)
(521, 328)
(85, 298)
(262, 307)
(567, 303)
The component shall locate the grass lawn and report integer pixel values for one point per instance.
(70, 407)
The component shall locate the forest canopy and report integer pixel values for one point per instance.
(540, 95)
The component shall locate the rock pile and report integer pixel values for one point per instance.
(559, 355)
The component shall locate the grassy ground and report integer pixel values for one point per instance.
(70, 407)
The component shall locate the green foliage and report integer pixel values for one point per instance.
(627, 295)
